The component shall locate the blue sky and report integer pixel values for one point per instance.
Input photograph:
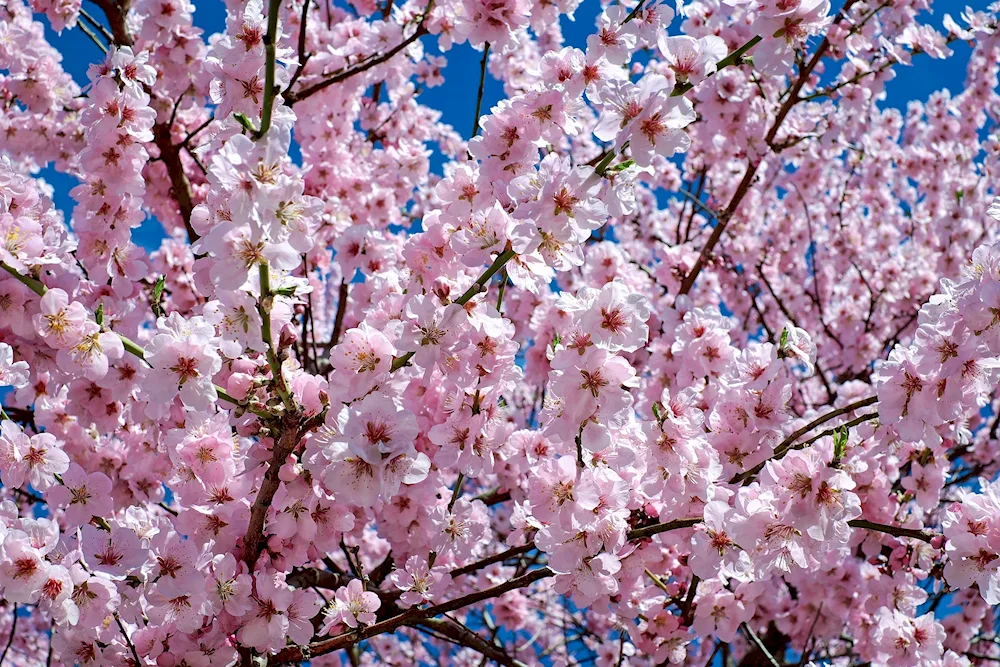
(456, 97)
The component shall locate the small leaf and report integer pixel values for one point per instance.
(157, 302)
(285, 291)
(839, 444)
(99, 315)
(622, 166)
(784, 339)
(245, 122)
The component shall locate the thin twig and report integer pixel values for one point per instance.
(292, 97)
(482, 87)
(760, 645)
(895, 531)
(128, 641)
(786, 444)
(13, 633)
(90, 33)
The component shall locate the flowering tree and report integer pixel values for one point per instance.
(688, 357)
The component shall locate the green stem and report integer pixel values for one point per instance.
(132, 347)
(481, 281)
(503, 286)
(734, 58)
(270, 38)
(34, 285)
(602, 166)
(264, 308)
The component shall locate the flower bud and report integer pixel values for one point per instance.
(239, 384)
(288, 336)
(442, 289)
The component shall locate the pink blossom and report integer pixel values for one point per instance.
(353, 605)
(116, 552)
(35, 460)
(60, 322)
(83, 495)
(419, 582)
(268, 625)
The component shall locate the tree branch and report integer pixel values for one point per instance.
(785, 445)
(748, 176)
(482, 87)
(293, 97)
(475, 289)
(13, 633)
(895, 531)
(465, 637)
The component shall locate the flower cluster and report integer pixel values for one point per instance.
(679, 356)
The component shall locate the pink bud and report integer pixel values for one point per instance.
(243, 365)
(442, 289)
(239, 385)
(288, 336)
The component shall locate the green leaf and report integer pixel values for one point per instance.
(839, 443)
(99, 315)
(157, 302)
(622, 166)
(285, 291)
(658, 411)
(784, 339)
(245, 122)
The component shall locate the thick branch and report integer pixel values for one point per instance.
(180, 186)
(296, 654)
(253, 540)
(313, 576)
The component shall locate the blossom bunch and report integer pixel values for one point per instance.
(687, 353)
